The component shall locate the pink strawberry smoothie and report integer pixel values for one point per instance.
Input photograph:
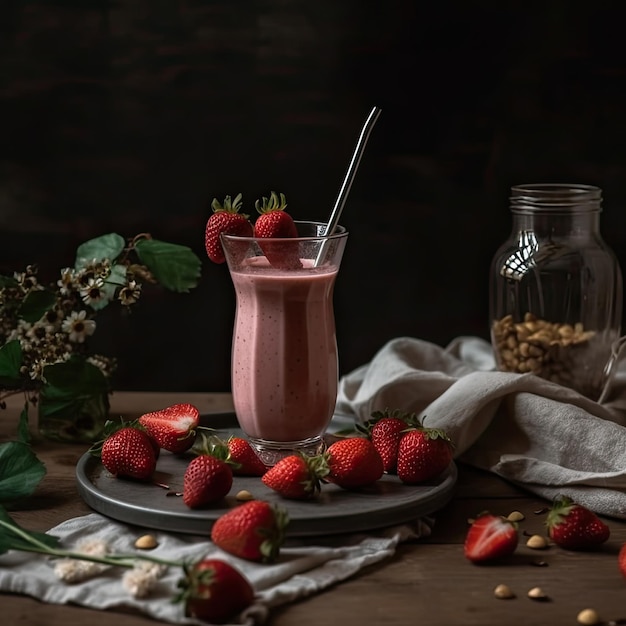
(284, 356)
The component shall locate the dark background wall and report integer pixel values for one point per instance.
(130, 115)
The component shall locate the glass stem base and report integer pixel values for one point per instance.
(270, 452)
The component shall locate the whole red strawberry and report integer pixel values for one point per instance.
(127, 452)
(490, 537)
(275, 222)
(214, 591)
(423, 453)
(173, 428)
(243, 458)
(296, 476)
(254, 531)
(574, 526)
(206, 480)
(353, 462)
(621, 560)
(385, 430)
(225, 219)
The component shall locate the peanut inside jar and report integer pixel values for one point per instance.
(547, 349)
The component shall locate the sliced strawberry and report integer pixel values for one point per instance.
(621, 560)
(490, 537)
(173, 428)
(254, 531)
(225, 219)
(275, 223)
(574, 526)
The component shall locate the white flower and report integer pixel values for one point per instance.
(76, 570)
(129, 294)
(140, 580)
(78, 327)
(93, 291)
(66, 281)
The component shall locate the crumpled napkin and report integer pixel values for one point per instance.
(539, 435)
(303, 568)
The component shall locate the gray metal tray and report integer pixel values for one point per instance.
(335, 510)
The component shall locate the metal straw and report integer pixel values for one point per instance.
(333, 220)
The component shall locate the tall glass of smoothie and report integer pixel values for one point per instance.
(284, 370)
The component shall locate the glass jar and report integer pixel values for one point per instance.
(555, 293)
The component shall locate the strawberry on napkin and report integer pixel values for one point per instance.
(304, 568)
(535, 433)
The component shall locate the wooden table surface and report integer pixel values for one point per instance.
(426, 582)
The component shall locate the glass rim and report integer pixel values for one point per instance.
(340, 231)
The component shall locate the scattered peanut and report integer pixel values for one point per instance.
(588, 617)
(537, 542)
(515, 516)
(537, 593)
(146, 542)
(503, 592)
(244, 495)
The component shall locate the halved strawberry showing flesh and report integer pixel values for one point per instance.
(227, 219)
(173, 428)
(275, 223)
(490, 537)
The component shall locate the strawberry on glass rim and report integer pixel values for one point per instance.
(275, 223)
(227, 219)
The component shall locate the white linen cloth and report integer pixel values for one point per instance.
(304, 568)
(539, 435)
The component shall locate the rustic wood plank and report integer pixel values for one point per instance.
(427, 581)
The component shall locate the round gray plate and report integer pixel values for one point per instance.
(334, 510)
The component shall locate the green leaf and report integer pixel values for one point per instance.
(20, 471)
(36, 304)
(75, 379)
(8, 281)
(14, 537)
(105, 247)
(10, 363)
(176, 267)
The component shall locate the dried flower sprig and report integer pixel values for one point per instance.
(45, 330)
(90, 558)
